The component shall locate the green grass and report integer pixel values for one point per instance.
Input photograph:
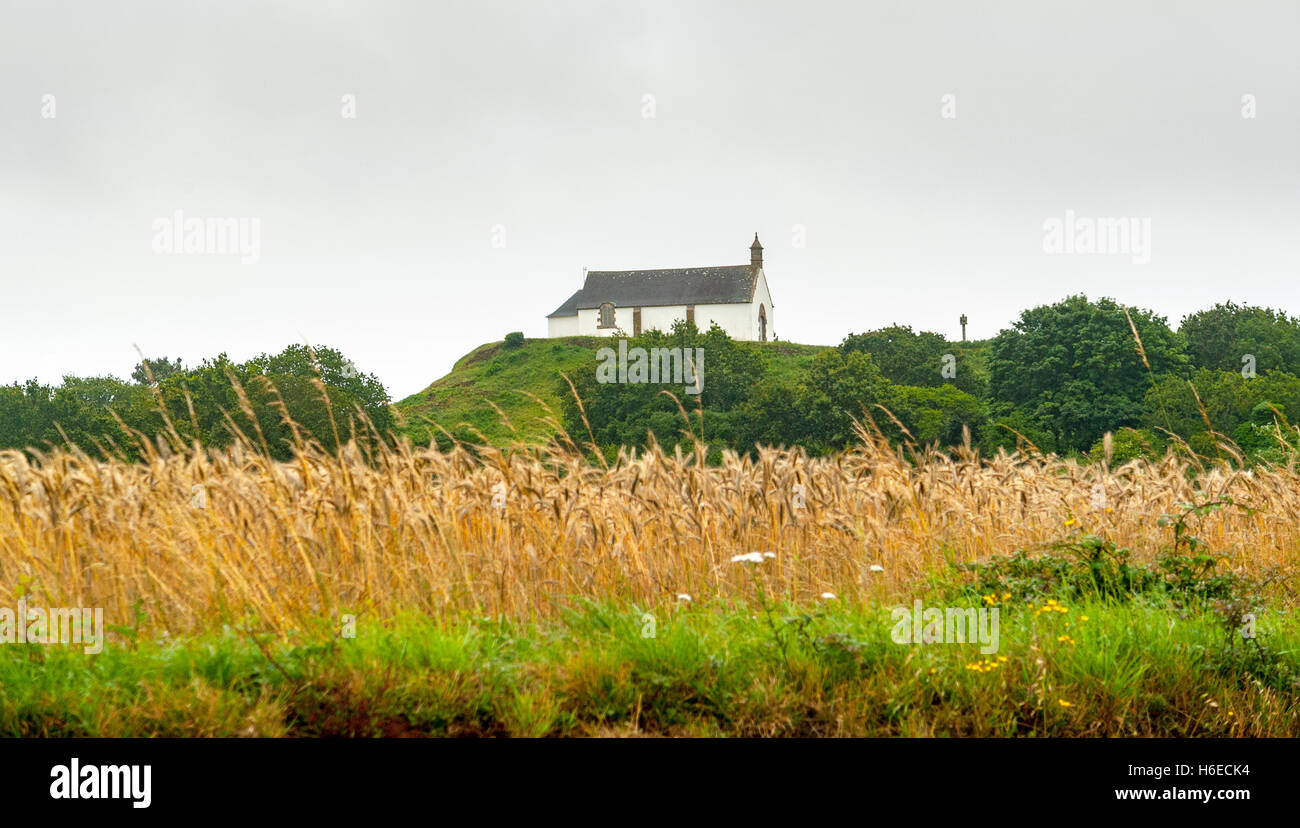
(1140, 667)
(493, 374)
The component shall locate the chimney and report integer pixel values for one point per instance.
(756, 253)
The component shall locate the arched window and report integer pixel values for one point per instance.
(607, 315)
(762, 324)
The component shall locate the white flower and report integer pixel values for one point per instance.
(769, 554)
(682, 596)
(751, 557)
(828, 596)
(876, 568)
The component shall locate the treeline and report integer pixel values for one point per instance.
(322, 394)
(1059, 379)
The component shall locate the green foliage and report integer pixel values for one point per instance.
(919, 359)
(1220, 337)
(161, 368)
(514, 339)
(839, 389)
(107, 415)
(1130, 444)
(1073, 368)
(1088, 566)
(1235, 406)
(935, 415)
(626, 413)
(829, 668)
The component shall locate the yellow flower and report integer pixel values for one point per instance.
(1063, 702)
(1002, 659)
(1083, 618)
(1006, 595)
(934, 670)
(1070, 522)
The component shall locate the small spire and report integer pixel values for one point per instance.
(756, 253)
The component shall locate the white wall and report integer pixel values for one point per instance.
(739, 320)
(734, 319)
(764, 298)
(561, 326)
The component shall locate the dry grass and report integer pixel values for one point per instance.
(202, 538)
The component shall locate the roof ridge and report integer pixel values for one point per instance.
(655, 269)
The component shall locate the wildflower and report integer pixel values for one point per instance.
(1003, 659)
(682, 596)
(1083, 618)
(769, 554)
(752, 557)
(934, 670)
(1065, 639)
(990, 600)
(1070, 522)
(1063, 703)
(876, 568)
(1006, 596)
(828, 596)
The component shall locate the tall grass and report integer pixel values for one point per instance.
(191, 539)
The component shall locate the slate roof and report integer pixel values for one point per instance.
(570, 306)
(650, 288)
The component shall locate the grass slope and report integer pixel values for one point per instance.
(491, 374)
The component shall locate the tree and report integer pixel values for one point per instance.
(200, 404)
(1230, 337)
(162, 368)
(908, 358)
(1075, 370)
(934, 415)
(1229, 400)
(623, 413)
(838, 389)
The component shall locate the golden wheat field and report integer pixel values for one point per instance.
(197, 536)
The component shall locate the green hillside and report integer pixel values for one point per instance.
(461, 402)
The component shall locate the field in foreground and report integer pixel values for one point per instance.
(509, 593)
(1094, 669)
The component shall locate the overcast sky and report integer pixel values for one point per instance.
(528, 123)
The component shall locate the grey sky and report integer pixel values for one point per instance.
(376, 232)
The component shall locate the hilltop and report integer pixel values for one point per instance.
(494, 374)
